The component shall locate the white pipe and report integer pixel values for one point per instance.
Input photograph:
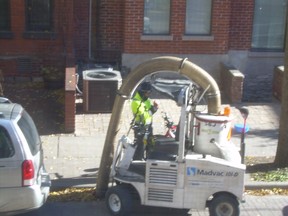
(90, 29)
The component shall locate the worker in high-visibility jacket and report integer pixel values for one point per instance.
(143, 109)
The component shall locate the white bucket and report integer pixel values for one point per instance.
(208, 128)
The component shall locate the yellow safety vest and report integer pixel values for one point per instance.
(142, 110)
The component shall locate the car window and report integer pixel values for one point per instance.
(6, 147)
(30, 132)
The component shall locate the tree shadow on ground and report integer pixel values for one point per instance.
(46, 106)
(260, 164)
(264, 167)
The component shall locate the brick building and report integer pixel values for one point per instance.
(247, 35)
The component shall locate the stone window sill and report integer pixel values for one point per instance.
(197, 37)
(157, 37)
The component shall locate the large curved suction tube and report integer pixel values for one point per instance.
(166, 63)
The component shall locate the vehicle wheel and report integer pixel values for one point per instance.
(119, 200)
(224, 205)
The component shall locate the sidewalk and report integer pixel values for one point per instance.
(74, 159)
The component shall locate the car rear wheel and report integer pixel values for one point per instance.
(119, 200)
(224, 205)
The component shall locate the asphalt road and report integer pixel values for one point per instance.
(254, 206)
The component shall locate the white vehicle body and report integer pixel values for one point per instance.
(185, 185)
(205, 174)
(24, 182)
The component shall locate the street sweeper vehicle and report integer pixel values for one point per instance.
(199, 168)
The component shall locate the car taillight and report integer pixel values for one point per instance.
(27, 173)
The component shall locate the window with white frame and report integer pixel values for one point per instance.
(156, 17)
(269, 25)
(198, 17)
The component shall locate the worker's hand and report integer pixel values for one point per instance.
(155, 106)
(145, 139)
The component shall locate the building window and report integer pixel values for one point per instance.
(156, 17)
(198, 17)
(5, 15)
(39, 15)
(269, 25)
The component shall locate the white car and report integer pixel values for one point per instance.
(24, 182)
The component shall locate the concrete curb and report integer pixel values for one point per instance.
(266, 185)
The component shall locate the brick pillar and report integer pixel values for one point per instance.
(70, 77)
(277, 82)
(232, 83)
(70, 97)
(1, 84)
(236, 89)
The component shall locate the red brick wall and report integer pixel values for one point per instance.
(121, 23)
(109, 30)
(134, 25)
(241, 24)
(81, 25)
(117, 28)
(37, 52)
